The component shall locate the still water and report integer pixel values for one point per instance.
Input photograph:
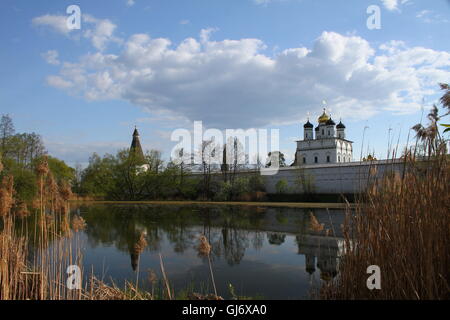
(268, 253)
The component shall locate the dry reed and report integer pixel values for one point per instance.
(401, 225)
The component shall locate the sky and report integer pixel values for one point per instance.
(161, 65)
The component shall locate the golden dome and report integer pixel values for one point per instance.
(324, 117)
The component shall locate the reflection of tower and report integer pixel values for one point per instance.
(310, 262)
(134, 259)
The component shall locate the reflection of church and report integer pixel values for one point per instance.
(324, 144)
(321, 253)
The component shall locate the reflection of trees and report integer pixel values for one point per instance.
(230, 230)
(258, 240)
(234, 243)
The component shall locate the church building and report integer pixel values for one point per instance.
(324, 144)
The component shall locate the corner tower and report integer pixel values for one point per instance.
(136, 148)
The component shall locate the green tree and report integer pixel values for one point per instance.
(61, 171)
(282, 186)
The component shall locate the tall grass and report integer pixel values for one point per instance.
(402, 225)
(35, 252)
(34, 257)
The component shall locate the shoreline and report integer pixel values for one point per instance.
(311, 205)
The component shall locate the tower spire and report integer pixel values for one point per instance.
(136, 148)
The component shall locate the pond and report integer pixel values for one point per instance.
(267, 253)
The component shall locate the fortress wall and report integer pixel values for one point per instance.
(335, 178)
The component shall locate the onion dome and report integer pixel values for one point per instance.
(340, 125)
(308, 125)
(324, 117)
(330, 123)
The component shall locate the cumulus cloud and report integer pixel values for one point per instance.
(101, 33)
(51, 57)
(231, 83)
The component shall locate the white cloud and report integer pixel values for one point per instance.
(51, 57)
(99, 31)
(429, 16)
(57, 23)
(231, 83)
(58, 82)
(392, 5)
(185, 21)
(130, 3)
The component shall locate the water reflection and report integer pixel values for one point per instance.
(264, 250)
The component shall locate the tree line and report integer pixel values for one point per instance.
(122, 177)
(21, 153)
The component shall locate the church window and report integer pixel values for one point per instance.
(339, 158)
(315, 160)
(328, 158)
(304, 160)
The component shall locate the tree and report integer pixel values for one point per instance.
(61, 171)
(208, 153)
(25, 148)
(430, 135)
(120, 177)
(445, 101)
(6, 132)
(282, 186)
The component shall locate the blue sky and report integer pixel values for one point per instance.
(230, 63)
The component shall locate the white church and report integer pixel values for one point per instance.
(324, 144)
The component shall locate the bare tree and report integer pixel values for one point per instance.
(6, 132)
(209, 154)
(235, 157)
